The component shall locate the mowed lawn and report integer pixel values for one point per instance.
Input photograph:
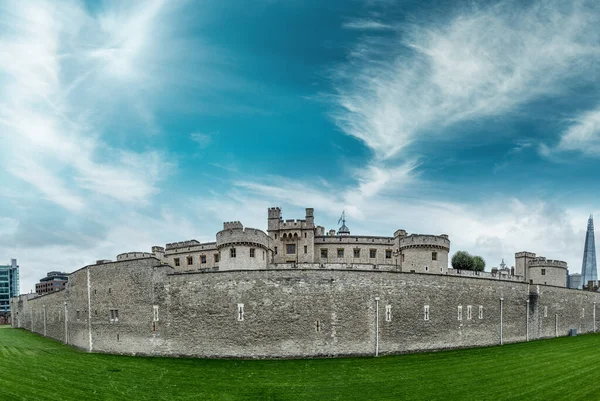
(33, 367)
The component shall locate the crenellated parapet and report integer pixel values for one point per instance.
(133, 255)
(238, 235)
(182, 244)
(232, 225)
(425, 241)
(543, 262)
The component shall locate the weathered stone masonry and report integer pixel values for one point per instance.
(296, 292)
(293, 312)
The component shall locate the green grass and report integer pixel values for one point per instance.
(33, 367)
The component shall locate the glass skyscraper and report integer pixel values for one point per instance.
(588, 267)
(9, 284)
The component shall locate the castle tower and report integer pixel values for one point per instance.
(588, 267)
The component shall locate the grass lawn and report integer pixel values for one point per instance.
(33, 367)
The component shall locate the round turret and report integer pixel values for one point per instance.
(242, 248)
(547, 272)
(424, 253)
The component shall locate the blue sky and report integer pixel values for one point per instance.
(131, 124)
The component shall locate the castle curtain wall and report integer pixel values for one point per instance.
(295, 312)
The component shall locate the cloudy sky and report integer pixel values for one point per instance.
(127, 124)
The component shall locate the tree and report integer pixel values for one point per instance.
(478, 263)
(462, 260)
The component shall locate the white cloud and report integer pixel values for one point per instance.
(203, 140)
(583, 136)
(480, 63)
(62, 74)
(367, 24)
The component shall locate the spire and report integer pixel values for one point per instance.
(343, 229)
(588, 266)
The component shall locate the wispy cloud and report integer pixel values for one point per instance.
(583, 135)
(58, 66)
(367, 24)
(480, 63)
(203, 140)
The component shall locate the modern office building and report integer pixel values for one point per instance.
(9, 285)
(588, 267)
(53, 281)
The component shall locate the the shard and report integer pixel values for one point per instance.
(588, 267)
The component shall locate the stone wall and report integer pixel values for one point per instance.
(348, 246)
(421, 260)
(80, 315)
(276, 313)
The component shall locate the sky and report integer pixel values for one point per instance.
(128, 124)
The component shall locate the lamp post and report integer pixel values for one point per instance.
(376, 326)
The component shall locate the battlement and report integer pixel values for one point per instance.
(232, 225)
(543, 262)
(524, 254)
(274, 212)
(158, 249)
(182, 244)
(353, 239)
(133, 255)
(440, 241)
(400, 233)
(250, 236)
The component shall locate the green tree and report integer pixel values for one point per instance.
(462, 260)
(478, 263)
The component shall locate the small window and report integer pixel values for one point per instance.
(78, 314)
(469, 312)
(388, 313)
(426, 268)
(290, 249)
(305, 249)
(114, 315)
(176, 260)
(251, 252)
(403, 257)
(372, 253)
(275, 251)
(433, 255)
(216, 256)
(543, 272)
(582, 312)
(480, 311)
(323, 253)
(545, 311)
(232, 252)
(459, 312)
(240, 312)
(388, 254)
(426, 312)
(190, 260)
(202, 259)
(155, 313)
(275, 235)
(340, 253)
(263, 255)
(304, 235)
(357, 253)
